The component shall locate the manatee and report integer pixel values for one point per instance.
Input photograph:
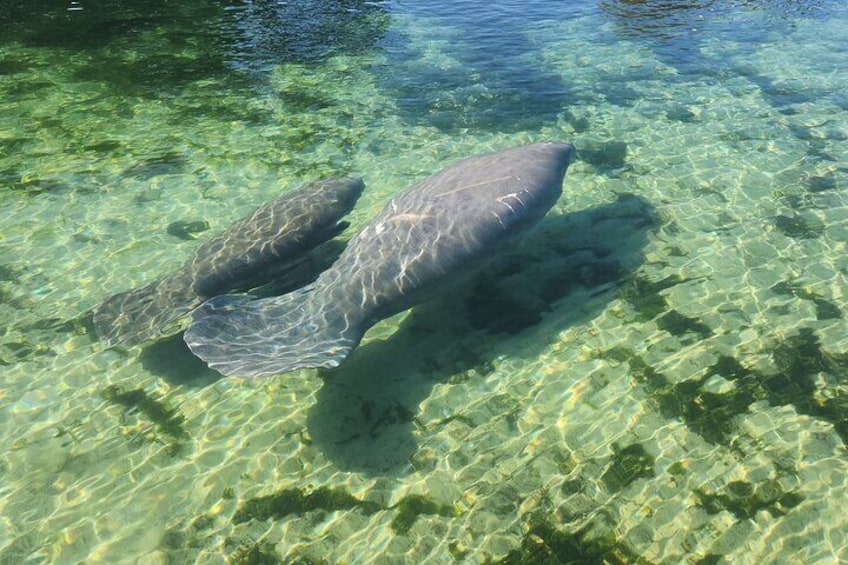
(428, 237)
(252, 251)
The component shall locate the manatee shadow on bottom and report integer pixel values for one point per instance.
(366, 412)
(172, 360)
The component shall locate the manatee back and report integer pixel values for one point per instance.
(276, 233)
(444, 224)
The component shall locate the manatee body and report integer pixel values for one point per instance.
(252, 251)
(426, 237)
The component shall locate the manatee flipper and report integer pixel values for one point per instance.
(239, 335)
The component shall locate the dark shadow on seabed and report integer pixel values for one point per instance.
(365, 414)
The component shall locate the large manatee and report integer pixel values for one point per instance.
(428, 236)
(252, 251)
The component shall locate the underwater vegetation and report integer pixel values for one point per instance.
(542, 543)
(603, 155)
(645, 298)
(33, 186)
(820, 183)
(825, 309)
(166, 163)
(242, 37)
(798, 360)
(681, 113)
(166, 419)
(299, 501)
(412, 506)
(628, 464)
(9, 275)
(294, 502)
(677, 324)
(15, 351)
(744, 499)
(257, 553)
(545, 545)
(186, 229)
(797, 227)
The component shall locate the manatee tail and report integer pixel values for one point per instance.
(142, 314)
(246, 337)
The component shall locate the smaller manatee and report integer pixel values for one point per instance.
(251, 252)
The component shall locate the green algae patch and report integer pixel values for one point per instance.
(825, 309)
(797, 227)
(255, 553)
(679, 325)
(544, 544)
(13, 352)
(298, 502)
(628, 464)
(798, 360)
(458, 551)
(603, 155)
(167, 420)
(707, 413)
(187, 230)
(644, 295)
(678, 469)
(820, 183)
(412, 506)
(744, 500)
(640, 371)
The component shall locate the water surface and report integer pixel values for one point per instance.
(657, 374)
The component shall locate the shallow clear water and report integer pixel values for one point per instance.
(658, 374)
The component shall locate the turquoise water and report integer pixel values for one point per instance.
(657, 374)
